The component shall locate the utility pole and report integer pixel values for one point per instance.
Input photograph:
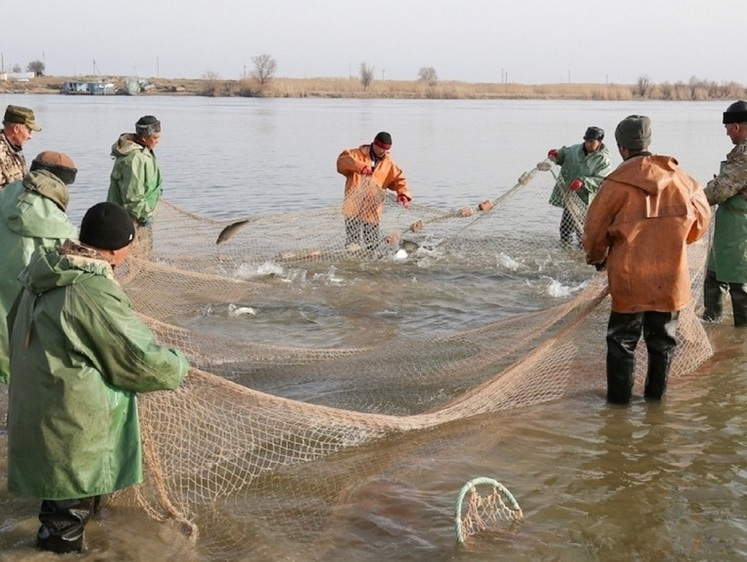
(158, 68)
(382, 73)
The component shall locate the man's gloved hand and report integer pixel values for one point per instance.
(600, 265)
(146, 221)
(403, 199)
(366, 170)
(552, 154)
(575, 185)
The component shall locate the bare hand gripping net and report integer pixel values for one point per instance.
(307, 352)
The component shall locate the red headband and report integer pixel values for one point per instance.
(383, 145)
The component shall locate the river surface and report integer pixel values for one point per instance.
(645, 482)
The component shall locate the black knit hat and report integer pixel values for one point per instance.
(383, 139)
(147, 125)
(736, 113)
(107, 226)
(634, 132)
(594, 133)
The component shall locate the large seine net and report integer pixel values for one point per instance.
(266, 432)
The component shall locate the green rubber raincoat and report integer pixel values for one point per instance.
(574, 164)
(32, 213)
(728, 190)
(79, 355)
(135, 181)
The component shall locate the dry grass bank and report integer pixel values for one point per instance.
(403, 89)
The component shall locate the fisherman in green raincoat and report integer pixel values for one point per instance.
(135, 180)
(727, 261)
(582, 168)
(78, 356)
(32, 213)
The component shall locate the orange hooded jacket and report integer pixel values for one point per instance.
(645, 214)
(365, 200)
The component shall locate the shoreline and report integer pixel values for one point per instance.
(694, 90)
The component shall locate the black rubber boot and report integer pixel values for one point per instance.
(623, 333)
(657, 375)
(659, 332)
(713, 297)
(620, 378)
(738, 293)
(63, 523)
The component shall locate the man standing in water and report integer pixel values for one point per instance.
(369, 170)
(78, 357)
(582, 168)
(727, 261)
(19, 125)
(32, 214)
(135, 181)
(639, 225)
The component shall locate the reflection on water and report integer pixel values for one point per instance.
(646, 482)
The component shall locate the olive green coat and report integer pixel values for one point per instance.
(78, 357)
(574, 164)
(728, 190)
(32, 213)
(135, 181)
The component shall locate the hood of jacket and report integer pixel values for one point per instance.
(26, 215)
(62, 266)
(126, 145)
(651, 173)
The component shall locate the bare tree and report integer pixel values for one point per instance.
(264, 68)
(367, 75)
(428, 75)
(643, 85)
(37, 67)
(212, 83)
(16, 68)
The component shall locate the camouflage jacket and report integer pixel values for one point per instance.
(12, 163)
(732, 178)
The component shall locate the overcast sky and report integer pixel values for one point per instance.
(524, 41)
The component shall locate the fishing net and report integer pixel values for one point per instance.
(489, 504)
(309, 348)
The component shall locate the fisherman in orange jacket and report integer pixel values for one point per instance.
(638, 227)
(368, 171)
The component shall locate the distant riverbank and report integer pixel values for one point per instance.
(396, 89)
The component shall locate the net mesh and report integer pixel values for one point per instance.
(489, 505)
(444, 315)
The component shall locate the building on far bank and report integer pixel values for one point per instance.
(17, 76)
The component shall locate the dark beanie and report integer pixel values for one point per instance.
(594, 133)
(736, 113)
(107, 226)
(61, 165)
(147, 125)
(634, 132)
(384, 138)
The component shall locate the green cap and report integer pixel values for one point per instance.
(22, 115)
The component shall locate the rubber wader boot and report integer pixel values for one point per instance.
(739, 304)
(620, 378)
(62, 524)
(713, 297)
(657, 375)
